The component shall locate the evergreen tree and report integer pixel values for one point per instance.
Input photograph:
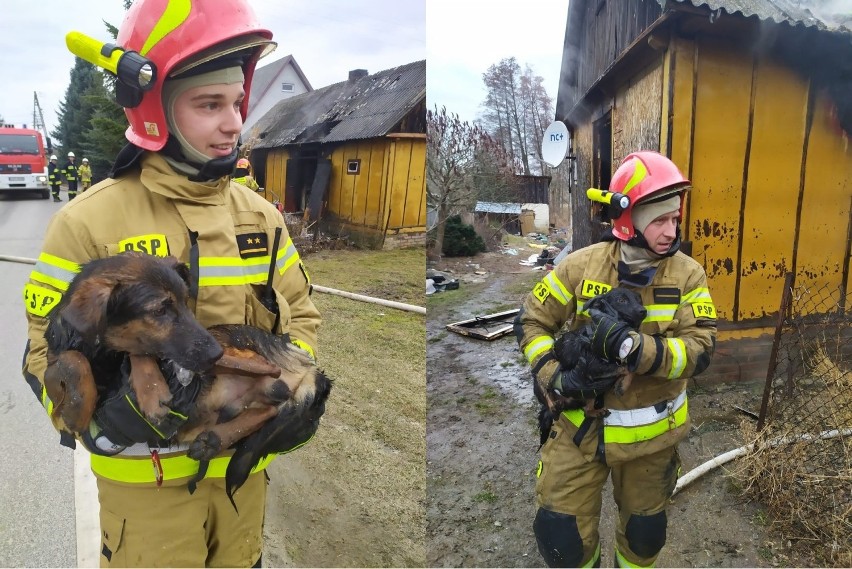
(73, 117)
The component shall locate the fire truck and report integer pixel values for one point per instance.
(23, 161)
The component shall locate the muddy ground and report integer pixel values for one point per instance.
(482, 445)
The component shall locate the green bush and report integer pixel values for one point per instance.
(460, 239)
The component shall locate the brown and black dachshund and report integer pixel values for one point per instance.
(256, 390)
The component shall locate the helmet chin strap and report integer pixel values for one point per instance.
(638, 240)
(211, 170)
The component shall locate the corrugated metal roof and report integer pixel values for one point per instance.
(829, 15)
(367, 107)
(491, 207)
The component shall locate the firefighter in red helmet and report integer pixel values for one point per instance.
(170, 192)
(631, 437)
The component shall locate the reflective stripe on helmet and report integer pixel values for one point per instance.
(639, 173)
(137, 469)
(176, 13)
(626, 426)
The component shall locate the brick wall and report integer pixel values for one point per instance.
(739, 360)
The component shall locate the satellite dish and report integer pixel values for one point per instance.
(554, 144)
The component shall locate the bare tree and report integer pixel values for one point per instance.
(461, 160)
(517, 111)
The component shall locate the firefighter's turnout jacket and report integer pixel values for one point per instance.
(70, 171)
(222, 231)
(53, 177)
(677, 340)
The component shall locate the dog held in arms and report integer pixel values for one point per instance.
(620, 303)
(255, 389)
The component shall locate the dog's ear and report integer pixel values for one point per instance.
(86, 310)
(182, 269)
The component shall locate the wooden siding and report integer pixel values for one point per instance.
(407, 185)
(762, 150)
(636, 114)
(276, 174)
(607, 28)
(585, 230)
(357, 198)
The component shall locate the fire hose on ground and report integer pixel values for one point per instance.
(706, 467)
(318, 288)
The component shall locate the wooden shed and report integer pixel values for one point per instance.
(752, 99)
(351, 156)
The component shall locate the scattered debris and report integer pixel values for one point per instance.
(488, 327)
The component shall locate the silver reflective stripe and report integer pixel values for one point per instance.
(660, 312)
(678, 351)
(557, 289)
(643, 416)
(697, 295)
(142, 449)
(287, 255)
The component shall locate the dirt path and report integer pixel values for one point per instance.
(482, 445)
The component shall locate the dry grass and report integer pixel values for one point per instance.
(361, 481)
(805, 481)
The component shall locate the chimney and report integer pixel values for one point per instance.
(356, 74)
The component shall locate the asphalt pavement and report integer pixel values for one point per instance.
(39, 500)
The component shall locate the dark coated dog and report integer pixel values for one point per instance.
(625, 306)
(256, 390)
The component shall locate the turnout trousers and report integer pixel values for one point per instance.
(146, 526)
(569, 492)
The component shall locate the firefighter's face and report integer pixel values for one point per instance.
(661, 233)
(209, 118)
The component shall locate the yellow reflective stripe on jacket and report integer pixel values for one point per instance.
(232, 271)
(537, 347)
(697, 295)
(138, 469)
(287, 256)
(225, 271)
(557, 289)
(660, 312)
(622, 562)
(678, 351)
(45, 401)
(626, 426)
(55, 271)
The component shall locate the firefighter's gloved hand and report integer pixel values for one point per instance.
(97, 442)
(610, 337)
(589, 377)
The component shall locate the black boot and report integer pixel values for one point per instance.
(56, 198)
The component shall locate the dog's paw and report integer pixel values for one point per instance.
(205, 446)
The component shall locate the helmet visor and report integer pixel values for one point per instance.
(229, 47)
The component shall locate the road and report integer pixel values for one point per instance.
(39, 518)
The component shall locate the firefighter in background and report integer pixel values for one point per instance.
(85, 172)
(53, 177)
(70, 173)
(242, 175)
(636, 440)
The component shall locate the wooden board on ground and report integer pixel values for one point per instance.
(488, 327)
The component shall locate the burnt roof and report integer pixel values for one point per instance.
(360, 108)
(827, 15)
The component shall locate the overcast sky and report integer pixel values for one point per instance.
(327, 38)
(465, 37)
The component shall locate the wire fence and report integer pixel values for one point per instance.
(800, 466)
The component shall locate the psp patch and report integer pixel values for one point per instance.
(253, 245)
(704, 310)
(541, 292)
(151, 244)
(39, 300)
(593, 288)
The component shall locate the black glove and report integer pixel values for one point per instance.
(118, 419)
(588, 377)
(607, 335)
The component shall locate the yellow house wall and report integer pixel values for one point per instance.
(760, 174)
